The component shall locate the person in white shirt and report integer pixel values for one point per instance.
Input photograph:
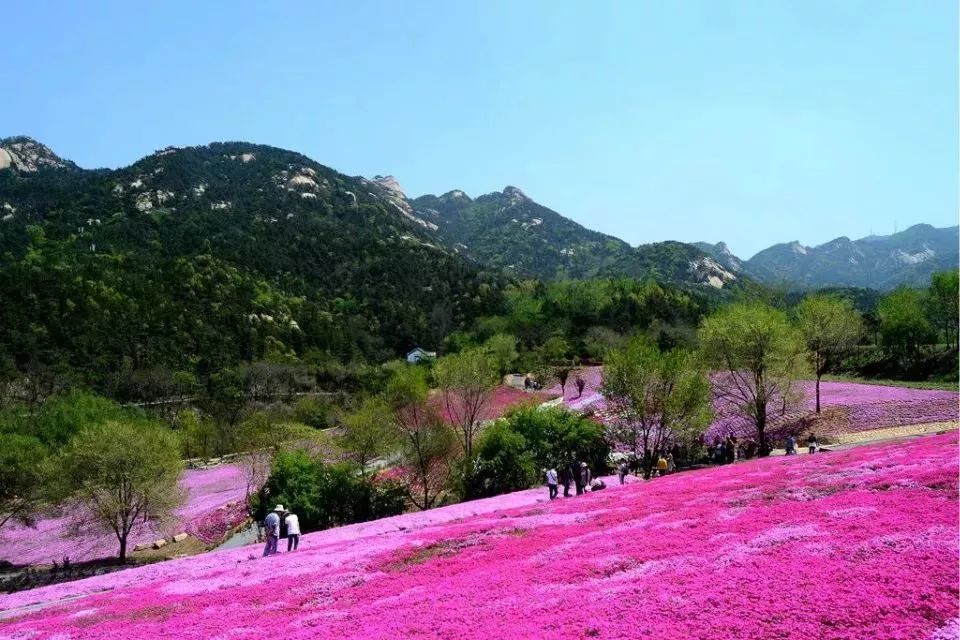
(292, 523)
(552, 482)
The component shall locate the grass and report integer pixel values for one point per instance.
(909, 384)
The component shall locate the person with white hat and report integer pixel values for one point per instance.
(272, 526)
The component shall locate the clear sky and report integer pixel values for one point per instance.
(750, 121)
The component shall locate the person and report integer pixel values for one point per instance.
(271, 525)
(582, 478)
(671, 465)
(661, 466)
(293, 531)
(812, 445)
(622, 471)
(751, 448)
(565, 479)
(552, 482)
(597, 485)
(791, 446)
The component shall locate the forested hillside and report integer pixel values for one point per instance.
(199, 257)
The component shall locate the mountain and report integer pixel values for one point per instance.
(877, 262)
(510, 231)
(195, 258)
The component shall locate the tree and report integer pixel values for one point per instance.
(904, 326)
(562, 373)
(554, 437)
(658, 397)
(758, 355)
(829, 326)
(22, 463)
(466, 382)
(367, 432)
(328, 495)
(943, 303)
(503, 463)
(120, 473)
(581, 383)
(426, 442)
(502, 348)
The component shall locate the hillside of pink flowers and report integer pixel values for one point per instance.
(852, 544)
(847, 408)
(208, 490)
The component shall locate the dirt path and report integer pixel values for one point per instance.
(874, 435)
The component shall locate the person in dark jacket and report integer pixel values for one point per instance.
(565, 479)
(578, 475)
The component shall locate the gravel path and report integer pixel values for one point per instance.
(898, 432)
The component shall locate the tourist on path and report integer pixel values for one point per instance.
(622, 472)
(271, 525)
(812, 445)
(581, 477)
(552, 482)
(661, 466)
(791, 446)
(565, 479)
(671, 464)
(293, 531)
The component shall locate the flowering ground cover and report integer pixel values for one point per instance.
(208, 490)
(501, 400)
(847, 407)
(860, 543)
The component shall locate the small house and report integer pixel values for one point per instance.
(418, 355)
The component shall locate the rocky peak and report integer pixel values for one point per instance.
(390, 184)
(28, 155)
(456, 194)
(514, 194)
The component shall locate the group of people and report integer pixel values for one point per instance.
(277, 523)
(812, 445)
(729, 449)
(574, 474)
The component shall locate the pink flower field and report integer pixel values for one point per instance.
(205, 514)
(852, 544)
(848, 407)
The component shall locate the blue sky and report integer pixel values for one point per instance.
(752, 122)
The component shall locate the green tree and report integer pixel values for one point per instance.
(120, 473)
(22, 479)
(659, 397)
(758, 356)
(502, 348)
(427, 444)
(944, 305)
(367, 432)
(503, 463)
(466, 381)
(830, 326)
(904, 326)
(328, 495)
(555, 437)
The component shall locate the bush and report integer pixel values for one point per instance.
(554, 437)
(502, 463)
(326, 495)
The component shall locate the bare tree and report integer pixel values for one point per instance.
(466, 382)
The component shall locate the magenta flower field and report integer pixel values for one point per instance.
(852, 544)
(848, 407)
(214, 504)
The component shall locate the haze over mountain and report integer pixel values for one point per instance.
(878, 262)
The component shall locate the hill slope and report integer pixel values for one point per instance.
(854, 544)
(508, 230)
(202, 256)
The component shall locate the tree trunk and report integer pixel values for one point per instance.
(123, 549)
(818, 391)
(762, 435)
